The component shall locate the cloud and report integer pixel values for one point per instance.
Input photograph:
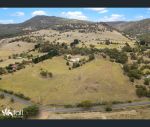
(113, 17)
(139, 17)
(99, 10)
(4, 8)
(74, 15)
(149, 9)
(39, 12)
(18, 14)
(6, 21)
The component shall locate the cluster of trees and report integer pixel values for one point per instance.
(118, 56)
(50, 54)
(132, 71)
(145, 67)
(127, 48)
(144, 39)
(23, 38)
(22, 55)
(142, 91)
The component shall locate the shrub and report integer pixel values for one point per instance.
(85, 104)
(146, 81)
(67, 63)
(68, 106)
(126, 68)
(50, 74)
(75, 65)
(91, 57)
(31, 111)
(2, 96)
(107, 42)
(141, 91)
(12, 100)
(108, 109)
(135, 74)
(127, 48)
(46, 74)
(131, 79)
(43, 73)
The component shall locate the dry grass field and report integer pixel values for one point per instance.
(98, 81)
(6, 103)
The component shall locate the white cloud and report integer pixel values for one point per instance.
(139, 17)
(99, 10)
(74, 15)
(113, 17)
(4, 8)
(6, 21)
(149, 9)
(18, 14)
(39, 12)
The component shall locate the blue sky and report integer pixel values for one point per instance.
(17, 15)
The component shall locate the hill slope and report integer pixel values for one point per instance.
(35, 23)
(132, 28)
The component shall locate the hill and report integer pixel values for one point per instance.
(133, 28)
(35, 23)
(48, 22)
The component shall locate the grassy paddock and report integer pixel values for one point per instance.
(98, 81)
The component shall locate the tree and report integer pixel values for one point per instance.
(50, 74)
(141, 91)
(108, 109)
(126, 67)
(91, 57)
(146, 81)
(107, 42)
(67, 63)
(30, 111)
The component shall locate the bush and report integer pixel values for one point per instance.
(131, 79)
(108, 109)
(120, 57)
(85, 104)
(68, 106)
(12, 100)
(75, 65)
(146, 81)
(46, 74)
(91, 57)
(126, 68)
(127, 48)
(50, 74)
(67, 63)
(31, 111)
(141, 92)
(135, 74)
(2, 96)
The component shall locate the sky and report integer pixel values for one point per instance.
(18, 15)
